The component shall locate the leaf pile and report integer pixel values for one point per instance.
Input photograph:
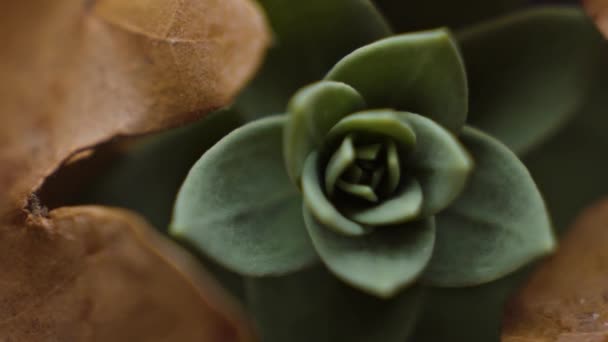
(77, 73)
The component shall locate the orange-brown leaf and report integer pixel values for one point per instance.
(566, 299)
(598, 10)
(103, 274)
(73, 74)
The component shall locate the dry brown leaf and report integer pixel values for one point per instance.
(566, 299)
(73, 74)
(598, 10)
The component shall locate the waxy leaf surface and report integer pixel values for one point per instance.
(497, 225)
(381, 262)
(309, 38)
(312, 112)
(529, 72)
(239, 207)
(439, 161)
(417, 72)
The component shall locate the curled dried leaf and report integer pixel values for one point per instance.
(76, 73)
(104, 274)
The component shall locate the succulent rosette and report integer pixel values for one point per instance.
(374, 172)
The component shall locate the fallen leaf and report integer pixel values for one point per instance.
(76, 73)
(113, 279)
(566, 299)
(598, 10)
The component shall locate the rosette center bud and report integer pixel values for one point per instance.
(363, 169)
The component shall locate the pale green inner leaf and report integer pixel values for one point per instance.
(368, 152)
(338, 163)
(393, 166)
(362, 191)
(401, 208)
(320, 206)
(311, 113)
(385, 123)
(440, 163)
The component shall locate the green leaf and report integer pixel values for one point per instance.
(380, 263)
(342, 158)
(311, 113)
(406, 16)
(496, 226)
(362, 191)
(393, 165)
(440, 163)
(323, 210)
(238, 206)
(568, 168)
(472, 314)
(310, 37)
(402, 207)
(368, 152)
(417, 72)
(313, 306)
(382, 123)
(529, 72)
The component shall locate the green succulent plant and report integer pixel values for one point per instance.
(390, 196)
(453, 107)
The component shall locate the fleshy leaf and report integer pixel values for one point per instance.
(380, 263)
(322, 209)
(310, 37)
(312, 112)
(342, 158)
(529, 73)
(393, 166)
(362, 191)
(442, 165)
(368, 152)
(383, 123)
(497, 225)
(417, 72)
(238, 206)
(401, 208)
(312, 305)
(554, 176)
